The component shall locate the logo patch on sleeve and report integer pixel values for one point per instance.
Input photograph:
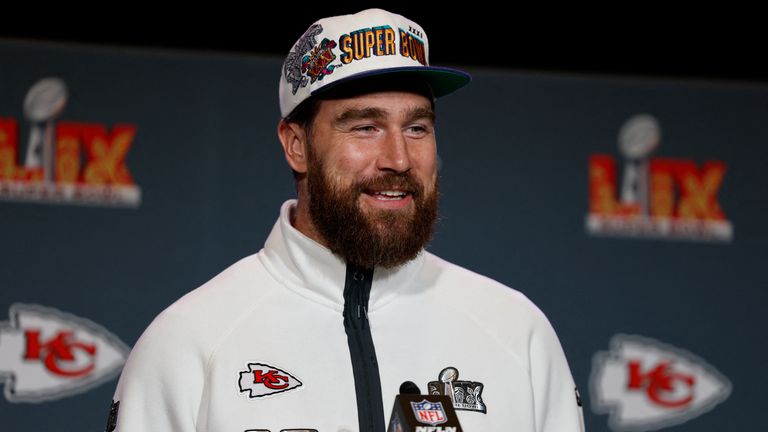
(263, 380)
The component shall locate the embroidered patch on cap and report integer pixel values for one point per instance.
(466, 395)
(262, 380)
(293, 68)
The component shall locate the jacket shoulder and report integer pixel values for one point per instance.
(487, 296)
(203, 314)
(164, 376)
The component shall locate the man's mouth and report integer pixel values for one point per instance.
(388, 195)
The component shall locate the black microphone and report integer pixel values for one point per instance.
(409, 388)
(415, 412)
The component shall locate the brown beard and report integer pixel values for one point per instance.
(387, 238)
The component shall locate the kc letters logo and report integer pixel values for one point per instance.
(64, 162)
(644, 385)
(46, 354)
(262, 380)
(655, 197)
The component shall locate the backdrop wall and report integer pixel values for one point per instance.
(632, 212)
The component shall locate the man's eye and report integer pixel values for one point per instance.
(364, 128)
(417, 129)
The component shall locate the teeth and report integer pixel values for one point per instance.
(390, 195)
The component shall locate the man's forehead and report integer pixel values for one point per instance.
(389, 103)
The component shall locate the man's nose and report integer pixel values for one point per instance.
(394, 154)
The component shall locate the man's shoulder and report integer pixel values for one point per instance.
(203, 314)
(454, 275)
(222, 290)
(480, 291)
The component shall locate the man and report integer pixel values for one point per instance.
(318, 330)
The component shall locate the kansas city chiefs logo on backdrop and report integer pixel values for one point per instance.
(646, 385)
(262, 380)
(47, 354)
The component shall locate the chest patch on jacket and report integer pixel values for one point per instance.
(466, 395)
(261, 379)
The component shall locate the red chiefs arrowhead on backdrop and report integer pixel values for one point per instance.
(47, 354)
(644, 384)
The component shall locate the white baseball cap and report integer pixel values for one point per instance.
(347, 47)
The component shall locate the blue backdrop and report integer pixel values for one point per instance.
(202, 177)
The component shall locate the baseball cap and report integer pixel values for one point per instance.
(373, 42)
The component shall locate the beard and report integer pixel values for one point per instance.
(372, 237)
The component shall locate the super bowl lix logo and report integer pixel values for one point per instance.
(65, 162)
(465, 395)
(47, 354)
(658, 197)
(644, 385)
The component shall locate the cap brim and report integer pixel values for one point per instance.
(442, 80)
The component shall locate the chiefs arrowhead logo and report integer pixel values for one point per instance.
(646, 385)
(262, 380)
(47, 354)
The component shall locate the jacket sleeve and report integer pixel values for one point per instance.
(161, 385)
(556, 401)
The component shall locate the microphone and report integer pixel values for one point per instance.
(415, 412)
(409, 388)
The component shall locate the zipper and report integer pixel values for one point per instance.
(365, 368)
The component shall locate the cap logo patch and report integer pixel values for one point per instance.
(317, 64)
(292, 68)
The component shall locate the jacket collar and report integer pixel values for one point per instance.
(314, 272)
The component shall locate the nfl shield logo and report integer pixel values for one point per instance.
(429, 412)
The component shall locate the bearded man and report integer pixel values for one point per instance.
(317, 331)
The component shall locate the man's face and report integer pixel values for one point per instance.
(372, 176)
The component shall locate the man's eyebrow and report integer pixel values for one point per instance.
(420, 113)
(373, 113)
(359, 114)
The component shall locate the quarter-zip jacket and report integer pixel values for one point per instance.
(263, 346)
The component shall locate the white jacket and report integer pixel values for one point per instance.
(204, 363)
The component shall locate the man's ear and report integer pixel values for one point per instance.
(294, 141)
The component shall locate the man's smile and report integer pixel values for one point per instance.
(389, 199)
